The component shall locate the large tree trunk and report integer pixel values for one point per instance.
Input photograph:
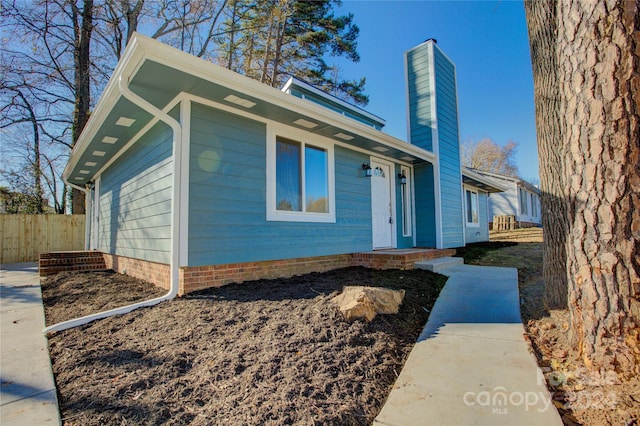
(38, 192)
(83, 25)
(599, 58)
(541, 22)
(132, 14)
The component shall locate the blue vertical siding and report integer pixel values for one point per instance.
(425, 211)
(420, 96)
(421, 122)
(227, 216)
(424, 64)
(449, 148)
(135, 199)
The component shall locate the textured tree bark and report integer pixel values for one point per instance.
(599, 58)
(83, 25)
(541, 23)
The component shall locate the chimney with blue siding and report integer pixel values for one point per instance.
(433, 125)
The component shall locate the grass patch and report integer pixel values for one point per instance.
(476, 251)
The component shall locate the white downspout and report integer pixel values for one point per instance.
(175, 216)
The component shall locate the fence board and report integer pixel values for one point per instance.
(504, 223)
(24, 237)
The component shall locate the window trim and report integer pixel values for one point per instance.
(466, 207)
(304, 138)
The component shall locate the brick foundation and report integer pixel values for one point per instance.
(201, 277)
(153, 272)
(397, 259)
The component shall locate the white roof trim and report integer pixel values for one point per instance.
(306, 86)
(481, 178)
(131, 58)
(141, 48)
(515, 180)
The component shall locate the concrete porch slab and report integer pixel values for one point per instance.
(436, 265)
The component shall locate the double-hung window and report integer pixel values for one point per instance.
(472, 207)
(300, 179)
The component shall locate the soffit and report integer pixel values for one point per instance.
(159, 84)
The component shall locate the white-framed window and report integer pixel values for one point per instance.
(534, 205)
(407, 212)
(524, 210)
(300, 176)
(472, 207)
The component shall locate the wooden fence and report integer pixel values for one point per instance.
(23, 237)
(504, 223)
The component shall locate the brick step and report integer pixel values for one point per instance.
(54, 262)
(70, 254)
(45, 272)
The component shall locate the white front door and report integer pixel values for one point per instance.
(381, 205)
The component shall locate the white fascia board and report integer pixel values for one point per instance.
(496, 175)
(516, 180)
(159, 52)
(131, 58)
(142, 48)
(287, 85)
(484, 179)
(306, 86)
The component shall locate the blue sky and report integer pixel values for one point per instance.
(487, 40)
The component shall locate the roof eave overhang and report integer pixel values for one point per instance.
(472, 178)
(200, 68)
(131, 59)
(142, 48)
(304, 85)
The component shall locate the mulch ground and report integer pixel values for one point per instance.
(262, 352)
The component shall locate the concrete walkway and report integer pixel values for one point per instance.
(471, 364)
(27, 390)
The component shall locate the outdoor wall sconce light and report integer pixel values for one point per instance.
(367, 169)
(403, 178)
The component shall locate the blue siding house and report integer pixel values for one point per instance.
(197, 176)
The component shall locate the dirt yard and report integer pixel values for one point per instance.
(582, 397)
(265, 352)
(276, 352)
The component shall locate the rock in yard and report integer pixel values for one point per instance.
(367, 302)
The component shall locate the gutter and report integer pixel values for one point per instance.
(175, 216)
